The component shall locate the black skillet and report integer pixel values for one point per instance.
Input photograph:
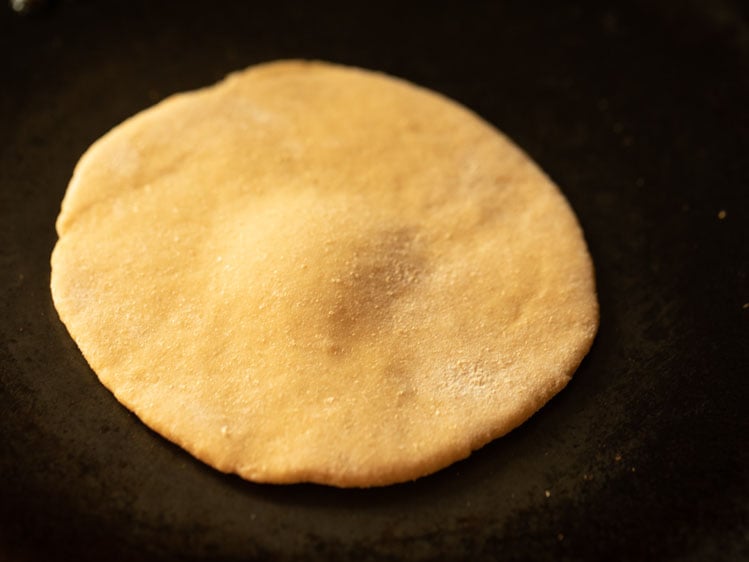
(637, 109)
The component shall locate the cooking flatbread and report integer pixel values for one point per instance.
(314, 273)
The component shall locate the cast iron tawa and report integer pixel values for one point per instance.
(638, 110)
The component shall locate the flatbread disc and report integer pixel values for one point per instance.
(315, 273)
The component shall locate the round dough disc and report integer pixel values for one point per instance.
(309, 272)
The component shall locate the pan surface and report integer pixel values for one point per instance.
(636, 109)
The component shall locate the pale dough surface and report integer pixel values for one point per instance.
(309, 272)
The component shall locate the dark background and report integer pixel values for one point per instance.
(638, 110)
